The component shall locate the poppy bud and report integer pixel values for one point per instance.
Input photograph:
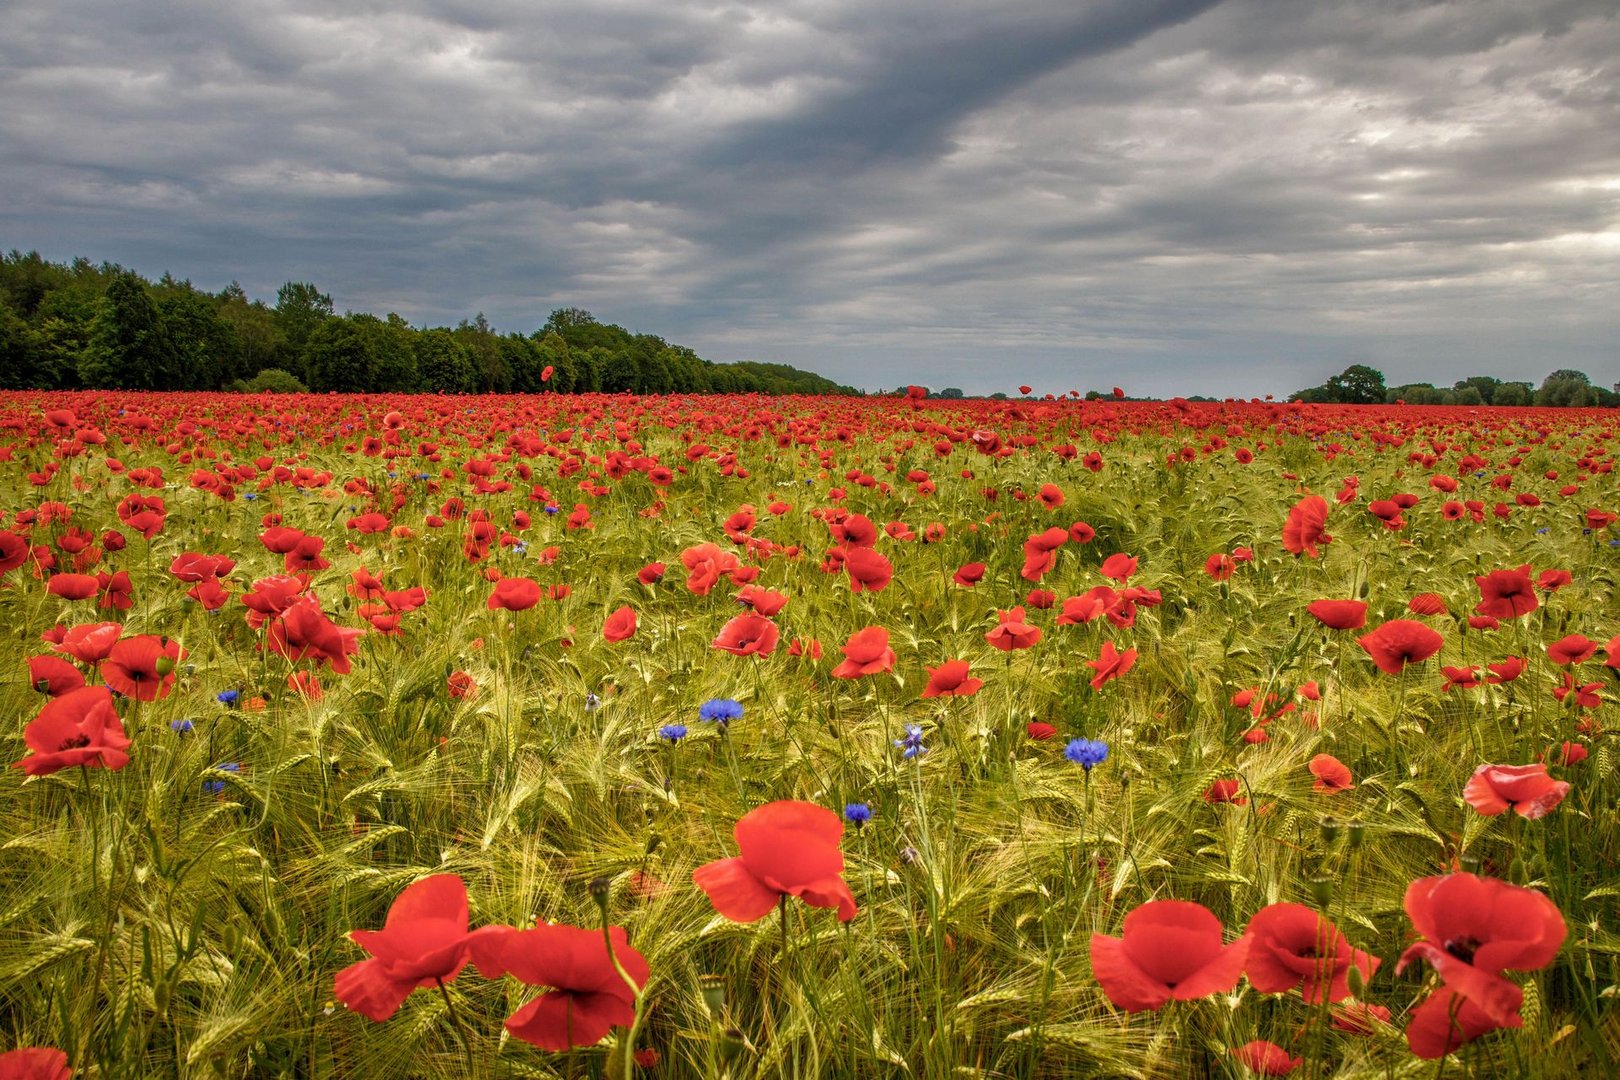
(1518, 871)
(654, 841)
(233, 937)
(730, 1043)
(1357, 981)
(1330, 829)
(43, 686)
(1322, 891)
(163, 665)
(1358, 834)
(714, 993)
(1362, 590)
(160, 996)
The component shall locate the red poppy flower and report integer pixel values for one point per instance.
(1506, 594)
(1586, 694)
(1427, 604)
(1224, 791)
(13, 551)
(588, 996)
(1220, 566)
(192, 567)
(115, 591)
(1170, 949)
(1051, 496)
(786, 848)
(869, 570)
(1081, 533)
(89, 643)
(303, 632)
(1291, 945)
(951, 679)
(1569, 753)
(514, 594)
(35, 1063)
(1040, 599)
(79, 728)
(749, 634)
(866, 652)
(1339, 614)
(1473, 929)
(1505, 671)
(424, 941)
(73, 586)
(970, 574)
(764, 601)
(651, 574)
(1305, 528)
(620, 625)
(52, 675)
(460, 684)
(142, 667)
(1574, 649)
(1526, 789)
(1012, 632)
(705, 565)
(271, 596)
(1110, 665)
(1400, 642)
(1266, 1058)
(1461, 678)
(1611, 652)
(1040, 732)
(1332, 775)
(1553, 580)
(1119, 567)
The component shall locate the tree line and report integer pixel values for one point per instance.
(102, 326)
(1360, 384)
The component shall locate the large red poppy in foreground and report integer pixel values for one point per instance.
(1171, 949)
(1472, 930)
(788, 848)
(79, 728)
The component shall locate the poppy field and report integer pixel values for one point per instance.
(611, 736)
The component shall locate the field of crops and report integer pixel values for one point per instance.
(880, 737)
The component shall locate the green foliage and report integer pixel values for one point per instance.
(198, 340)
(129, 346)
(272, 381)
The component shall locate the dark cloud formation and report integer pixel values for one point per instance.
(1179, 196)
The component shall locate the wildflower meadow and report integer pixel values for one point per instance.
(607, 736)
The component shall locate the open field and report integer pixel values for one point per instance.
(1046, 664)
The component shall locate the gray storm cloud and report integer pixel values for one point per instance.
(1180, 196)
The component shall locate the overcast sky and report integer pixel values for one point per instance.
(1175, 196)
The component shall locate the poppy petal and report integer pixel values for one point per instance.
(734, 892)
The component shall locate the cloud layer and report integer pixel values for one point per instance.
(1178, 196)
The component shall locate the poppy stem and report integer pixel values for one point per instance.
(461, 1030)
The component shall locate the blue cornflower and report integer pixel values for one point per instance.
(592, 702)
(249, 496)
(552, 508)
(1086, 752)
(228, 697)
(214, 787)
(1543, 532)
(181, 726)
(912, 744)
(519, 548)
(721, 710)
(857, 814)
(673, 732)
